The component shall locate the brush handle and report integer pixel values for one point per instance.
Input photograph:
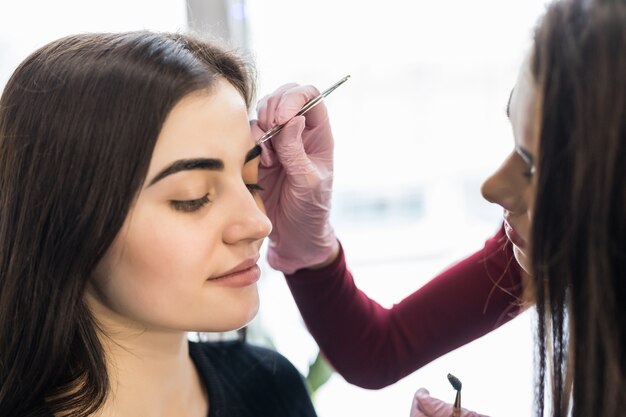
(456, 409)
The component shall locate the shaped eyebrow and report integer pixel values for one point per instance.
(253, 153)
(188, 165)
(210, 164)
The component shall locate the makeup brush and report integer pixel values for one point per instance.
(456, 384)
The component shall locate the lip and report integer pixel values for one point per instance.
(513, 236)
(242, 275)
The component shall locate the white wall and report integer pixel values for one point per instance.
(28, 24)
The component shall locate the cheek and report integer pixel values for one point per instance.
(155, 275)
(156, 266)
(167, 249)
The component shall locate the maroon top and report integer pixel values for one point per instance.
(372, 346)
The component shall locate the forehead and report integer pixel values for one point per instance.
(207, 124)
(524, 110)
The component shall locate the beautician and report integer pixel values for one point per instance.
(562, 193)
(369, 345)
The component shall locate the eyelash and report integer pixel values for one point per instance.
(190, 206)
(253, 188)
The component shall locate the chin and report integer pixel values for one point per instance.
(243, 318)
(230, 314)
(522, 259)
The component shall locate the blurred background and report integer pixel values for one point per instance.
(418, 127)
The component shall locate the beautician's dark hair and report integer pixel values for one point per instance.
(79, 120)
(579, 224)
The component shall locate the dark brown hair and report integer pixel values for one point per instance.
(579, 223)
(79, 120)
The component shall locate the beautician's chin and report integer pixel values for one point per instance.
(522, 258)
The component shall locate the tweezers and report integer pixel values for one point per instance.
(307, 106)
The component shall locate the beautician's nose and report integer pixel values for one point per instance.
(247, 220)
(504, 188)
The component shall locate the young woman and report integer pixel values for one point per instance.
(129, 215)
(563, 191)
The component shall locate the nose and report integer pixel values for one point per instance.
(504, 188)
(246, 218)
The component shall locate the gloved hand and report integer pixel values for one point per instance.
(426, 406)
(296, 173)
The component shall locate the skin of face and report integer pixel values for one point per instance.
(512, 185)
(156, 276)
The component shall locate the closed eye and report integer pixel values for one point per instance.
(190, 206)
(253, 188)
(528, 159)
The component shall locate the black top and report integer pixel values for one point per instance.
(243, 380)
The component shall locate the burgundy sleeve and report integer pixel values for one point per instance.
(372, 346)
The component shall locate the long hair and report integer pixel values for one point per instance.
(579, 223)
(79, 119)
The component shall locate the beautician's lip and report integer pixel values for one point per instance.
(513, 236)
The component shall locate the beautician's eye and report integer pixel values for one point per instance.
(253, 188)
(189, 206)
(529, 173)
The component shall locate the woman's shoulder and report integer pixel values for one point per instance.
(234, 354)
(259, 377)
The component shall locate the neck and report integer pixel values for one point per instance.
(150, 371)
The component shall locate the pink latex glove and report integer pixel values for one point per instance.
(426, 406)
(296, 173)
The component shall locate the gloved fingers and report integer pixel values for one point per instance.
(432, 407)
(415, 409)
(256, 130)
(268, 156)
(285, 102)
(417, 413)
(267, 107)
(290, 149)
(292, 100)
